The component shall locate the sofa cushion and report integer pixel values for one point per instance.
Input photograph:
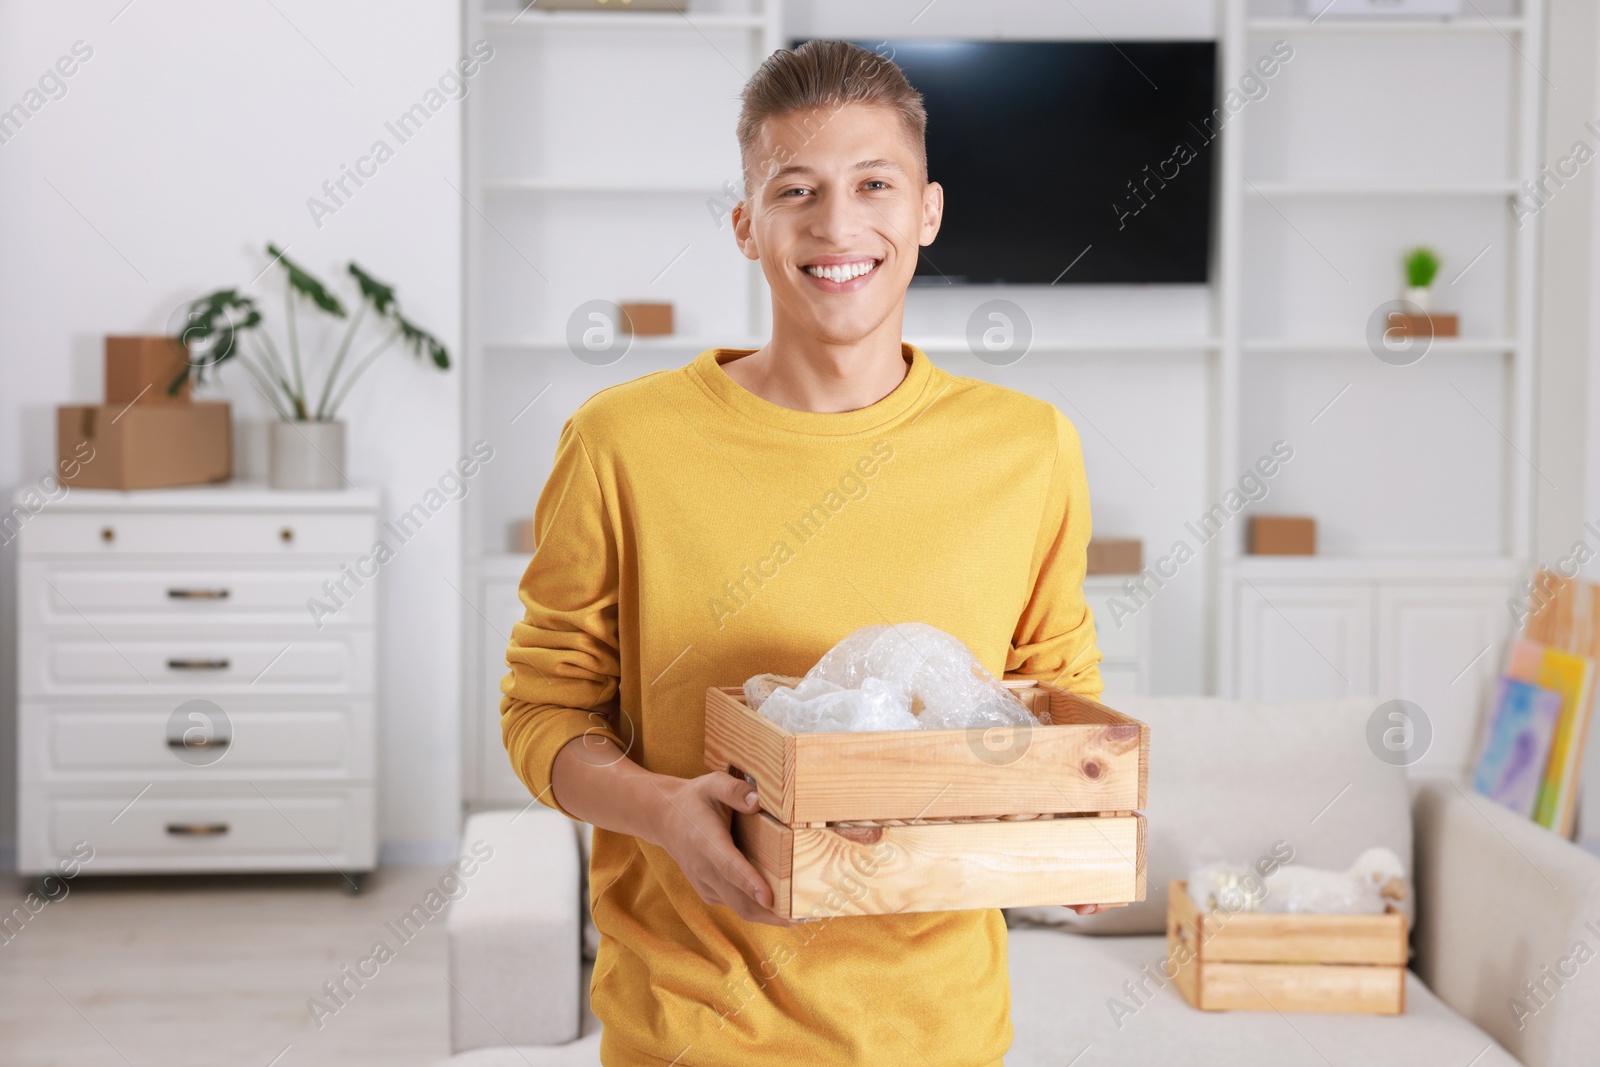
(1064, 988)
(1229, 780)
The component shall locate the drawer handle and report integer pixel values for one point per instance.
(197, 664)
(107, 534)
(197, 594)
(201, 745)
(197, 829)
(286, 534)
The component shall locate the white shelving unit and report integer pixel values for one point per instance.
(560, 213)
(1378, 135)
(1409, 604)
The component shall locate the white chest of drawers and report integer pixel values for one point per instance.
(181, 705)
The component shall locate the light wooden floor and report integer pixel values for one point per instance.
(209, 971)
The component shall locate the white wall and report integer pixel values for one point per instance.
(192, 136)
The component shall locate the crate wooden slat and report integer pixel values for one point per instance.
(1089, 758)
(1273, 962)
(1320, 987)
(827, 871)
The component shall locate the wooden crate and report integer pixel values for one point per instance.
(1269, 962)
(883, 822)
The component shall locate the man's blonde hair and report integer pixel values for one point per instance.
(823, 76)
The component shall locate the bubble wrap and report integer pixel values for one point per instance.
(903, 677)
(1376, 880)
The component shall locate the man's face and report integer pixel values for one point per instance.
(836, 210)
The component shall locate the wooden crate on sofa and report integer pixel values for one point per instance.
(1253, 961)
(883, 822)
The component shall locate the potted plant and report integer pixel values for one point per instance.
(307, 444)
(1422, 266)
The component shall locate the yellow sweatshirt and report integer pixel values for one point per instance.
(693, 534)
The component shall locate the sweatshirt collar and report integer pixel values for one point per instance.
(909, 394)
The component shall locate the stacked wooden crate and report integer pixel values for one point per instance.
(884, 822)
(1252, 961)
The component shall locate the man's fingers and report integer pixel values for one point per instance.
(750, 909)
(745, 877)
(736, 793)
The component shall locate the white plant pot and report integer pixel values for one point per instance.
(306, 455)
(1421, 297)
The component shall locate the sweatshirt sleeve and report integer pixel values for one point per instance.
(1054, 640)
(564, 655)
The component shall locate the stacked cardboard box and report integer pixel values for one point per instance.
(144, 436)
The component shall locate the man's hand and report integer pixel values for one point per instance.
(595, 781)
(693, 826)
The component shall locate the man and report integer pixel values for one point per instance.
(742, 514)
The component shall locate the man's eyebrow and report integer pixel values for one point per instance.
(865, 164)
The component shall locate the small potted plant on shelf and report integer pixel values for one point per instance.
(1422, 267)
(307, 444)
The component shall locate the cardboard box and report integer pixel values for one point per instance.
(522, 536)
(1282, 535)
(145, 446)
(886, 822)
(646, 320)
(141, 369)
(1254, 961)
(1434, 325)
(1116, 555)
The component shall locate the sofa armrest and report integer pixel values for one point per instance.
(514, 952)
(1503, 902)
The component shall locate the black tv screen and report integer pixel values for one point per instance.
(1061, 160)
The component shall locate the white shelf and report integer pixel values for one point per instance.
(602, 186)
(621, 20)
(1463, 346)
(1420, 567)
(1334, 26)
(1379, 189)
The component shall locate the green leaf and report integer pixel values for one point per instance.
(1422, 266)
(384, 302)
(421, 342)
(215, 322)
(301, 281)
(379, 295)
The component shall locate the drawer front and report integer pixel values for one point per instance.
(165, 741)
(169, 829)
(821, 872)
(278, 535)
(112, 662)
(75, 595)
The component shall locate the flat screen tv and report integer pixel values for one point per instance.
(1061, 160)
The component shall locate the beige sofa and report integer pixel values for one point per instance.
(1498, 900)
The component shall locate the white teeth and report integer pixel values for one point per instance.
(842, 272)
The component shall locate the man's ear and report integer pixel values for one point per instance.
(932, 212)
(741, 230)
